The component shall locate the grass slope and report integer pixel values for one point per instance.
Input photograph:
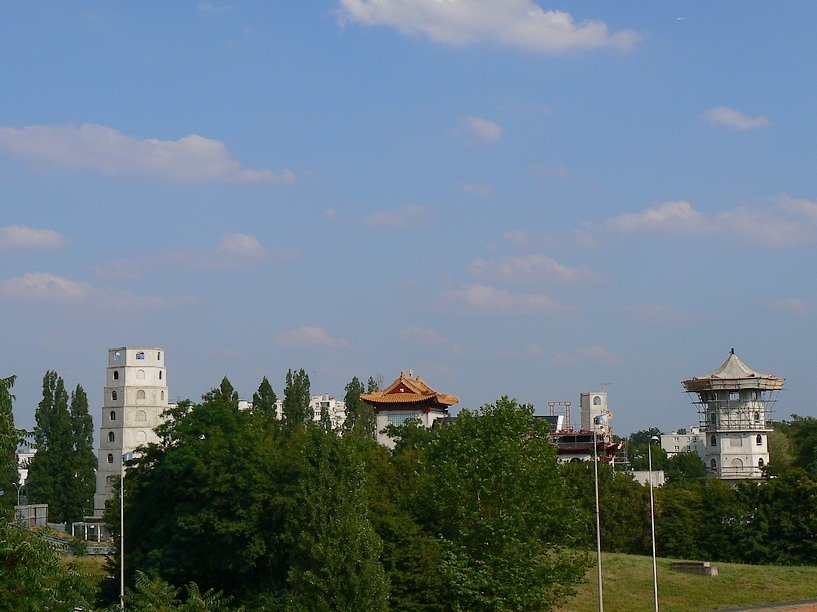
(627, 586)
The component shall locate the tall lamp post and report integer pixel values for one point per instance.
(599, 420)
(125, 457)
(652, 524)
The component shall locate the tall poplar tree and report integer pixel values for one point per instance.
(9, 438)
(82, 430)
(61, 472)
(360, 418)
(295, 408)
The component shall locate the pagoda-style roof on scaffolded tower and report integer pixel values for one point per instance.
(408, 390)
(732, 375)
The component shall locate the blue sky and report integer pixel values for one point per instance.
(508, 197)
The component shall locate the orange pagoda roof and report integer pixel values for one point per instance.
(408, 390)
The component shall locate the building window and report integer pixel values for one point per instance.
(713, 418)
(160, 375)
(114, 395)
(113, 415)
(116, 356)
(110, 481)
(759, 440)
(713, 441)
(400, 418)
(116, 374)
(141, 436)
(714, 464)
(140, 355)
(140, 374)
(110, 457)
(111, 436)
(158, 356)
(760, 462)
(140, 394)
(141, 416)
(596, 401)
(757, 417)
(163, 394)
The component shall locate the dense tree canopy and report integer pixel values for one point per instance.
(9, 439)
(61, 473)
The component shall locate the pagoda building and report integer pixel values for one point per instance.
(733, 404)
(408, 397)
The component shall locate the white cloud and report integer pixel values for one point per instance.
(483, 129)
(413, 214)
(427, 338)
(668, 217)
(477, 189)
(520, 24)
(600, 354)
(233, 250)
(22, 237)
(530, 268)
(209, 7)
(792, 306)
(190, 159)
(308, 337)
(49, 288)
(492, 299)
(241, 245)
(734, 119)
(655, 313)
(783, 221)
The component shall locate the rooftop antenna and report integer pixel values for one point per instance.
(603, 385)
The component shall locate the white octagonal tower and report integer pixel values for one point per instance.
(135, 397)
(733, 404)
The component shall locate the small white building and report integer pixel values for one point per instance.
(684, 441)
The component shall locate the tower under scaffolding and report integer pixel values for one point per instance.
(733, 405)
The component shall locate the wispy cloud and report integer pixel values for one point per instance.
(792, 306)
(308, 337)
(20, 237)
(44, 287)
(732, 118)
(655, 313)
(410, 215)
(477, 189)
(209, 7)
(521, 24)
(494, 300)
(483, 129)
(427, 338)
(102, 149)
(600, 354)
(671, 217)
(532, 268)
(233, 250)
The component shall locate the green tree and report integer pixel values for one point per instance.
(684, 466)
(263, 402)
(51, 474)
(801, 433)
(623, 503)
(781, 455)
(295, 407)
(9, 439)
(157, 595)
(335, 563)
(637, 450)
(34, 578)
(360, 417)
(492, 490)
(80, 494)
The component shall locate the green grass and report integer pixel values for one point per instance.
(627, 586)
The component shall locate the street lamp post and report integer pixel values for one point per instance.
(598, 524)
(125, 457)
(652, 524)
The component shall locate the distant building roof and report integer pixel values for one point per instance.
(733, 374)
(408, 390)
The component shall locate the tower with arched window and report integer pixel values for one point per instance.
(135, 397)
(733, 403)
